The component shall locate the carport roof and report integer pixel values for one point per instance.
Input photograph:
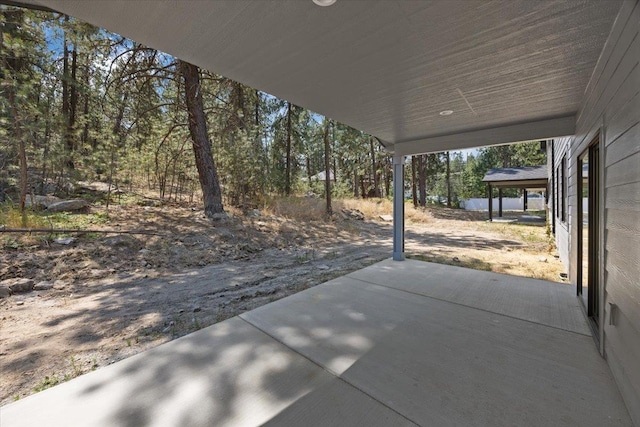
(509, 70)
(526, 177)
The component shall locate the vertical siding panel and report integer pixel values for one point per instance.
(611, 108)
(561, 147)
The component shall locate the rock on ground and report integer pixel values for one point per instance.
(123, 241)
(43, 286)
(222, 216)
(68, 205)
(19, 285)
(65, 240)
(41, 201)
(4, 292)
(353, 214)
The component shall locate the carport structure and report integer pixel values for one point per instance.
(526, 177)
(420, 76)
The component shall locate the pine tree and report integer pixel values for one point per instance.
(207, 172)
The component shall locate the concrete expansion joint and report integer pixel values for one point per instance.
(329, 371)
(469, 306)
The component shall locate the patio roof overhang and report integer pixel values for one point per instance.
(510, 70)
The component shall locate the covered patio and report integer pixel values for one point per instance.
(408, 343)
(397, 343)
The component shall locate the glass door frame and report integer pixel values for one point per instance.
(593, 303)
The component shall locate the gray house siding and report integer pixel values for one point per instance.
(560, 148)
(611, 111)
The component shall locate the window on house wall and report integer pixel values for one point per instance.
(556, 203)
(561, 191)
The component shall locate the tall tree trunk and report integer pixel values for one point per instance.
(45, 152)
(327, 167)
(201, 145)
(422, 180)
(287, 177)
(356, 184)
(387, 176)
(374, 172)
(239, 106)
(73, 94)
(414, 184)
(12, 66)
(17, 130)
(506, 155)
(257, 110)
(117, 125)
(85, 108)
(68, 142)
(448, 181)
(335, 170)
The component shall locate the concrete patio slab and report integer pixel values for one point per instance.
(459, 366)
(355, 352)
(539, 301)
(336, 323)
(229, 374)
(442, 363)
(338, 404)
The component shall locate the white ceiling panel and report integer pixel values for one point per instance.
(386, 67)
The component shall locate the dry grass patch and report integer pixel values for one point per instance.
(314, 209)
(293, 207)
(11, 217)
(371, 208)
(419, 215)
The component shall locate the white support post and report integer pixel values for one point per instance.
(398, 208)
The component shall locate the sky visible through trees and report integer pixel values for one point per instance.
(81, 103)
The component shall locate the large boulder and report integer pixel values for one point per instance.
(19, 285)
(41, 202)
(68, 205)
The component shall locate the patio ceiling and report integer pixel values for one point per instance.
(510, 70)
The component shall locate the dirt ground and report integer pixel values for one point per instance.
(115, 295)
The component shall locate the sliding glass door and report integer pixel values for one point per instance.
(588, 231)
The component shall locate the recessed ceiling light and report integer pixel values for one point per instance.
(446, 112)
(324, 2)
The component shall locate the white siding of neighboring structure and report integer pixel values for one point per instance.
(611, 109)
